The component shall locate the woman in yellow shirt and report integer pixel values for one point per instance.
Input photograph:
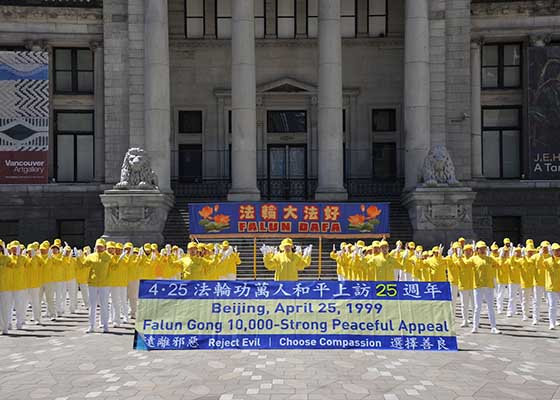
(527, 275)
(465, 276)
(286, 264)
(514, 297)
(483, 286)
(98, 284)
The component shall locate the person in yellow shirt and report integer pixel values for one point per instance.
(228, 261)
(99, 263)
(35, 281)
(70, 282)
(514, 295)
(82, 274)
(133, 261)
(408, 262)
(527, 275)
(340, 258)
(452, 271)
(19, 282)
(499, 257)
(435, 267)
(6, 295)
(118, 281)
(465, 276)
(185, 262)
(286, 264)
(49, 285)
(552, 284)
(538, 285)
(384, 264)
(58, 272)
(483, 286)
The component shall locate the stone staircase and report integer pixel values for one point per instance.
(177, 232)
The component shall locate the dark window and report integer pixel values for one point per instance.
(377, 17)
(223, 19)
(501, 142)
(506, 227)
(501, 66)
(384, 160)
(384, 120)
(229, 121)
(194, 18)
(260, 19)
(312, 18)
(9, 230)
(286, 18)
(190, 121)
(348, 18)
(287, 121)
(190, 162)
(72, 231)
(73, 71)
(74, 146)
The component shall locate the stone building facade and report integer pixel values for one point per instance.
(285, 99)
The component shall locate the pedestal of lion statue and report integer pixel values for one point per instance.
(440, 209)
(135, 209)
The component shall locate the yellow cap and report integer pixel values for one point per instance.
(480, 244)
(529, 241)
(545, 243)
(287, 242)
(384, 243)
(111, 245)
(154, 246)
(375, 244)
(435, 248)
(419, 248)
(201, 246)
(507, 241)
(44, 246)
(411, 245)
(468, 247)
(100, 242)
(427, 253)
(119, 246)
(128, 245)
(191, 245)
(343, 244)
(360, 243)
(494, 246)
(58, 242)
(225, 243)
(209, 247)
(456, 245)
(55, 244)
(2, 244)
(147, 247)
(461, 239)
(87, 248)
(555, 246)
(530, 247)
(13, 244)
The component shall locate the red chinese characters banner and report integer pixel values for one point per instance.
(271, 219)
(24, 117)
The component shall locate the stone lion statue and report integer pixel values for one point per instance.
(136, 172)
(438, 168)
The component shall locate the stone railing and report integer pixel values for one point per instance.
(54, 3)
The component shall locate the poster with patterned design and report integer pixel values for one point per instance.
(24, 117)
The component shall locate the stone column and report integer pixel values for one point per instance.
(99, 110)
(243, 99)
(416, 89)
(157, 90)
(330, 140)
(476, 110)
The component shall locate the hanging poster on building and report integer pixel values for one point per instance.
(544, 112)
(260, 219)
(225, 315)
(24, 117)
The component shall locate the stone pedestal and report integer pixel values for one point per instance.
(440, 214)
(136, 216)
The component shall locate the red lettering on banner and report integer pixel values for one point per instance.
(273, 226)
(303, 227)
(335, 227)
(242, 226)
(325, 226)
(314, 227)
(262, 226)
(252, 227)
(285, 227)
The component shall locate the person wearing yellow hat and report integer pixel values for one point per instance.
(435, 266)
(6, 295)
(34, 281)
(539, 259)
(19, 281)
(227, 261)
(340, 257)
(286, 264)
(70, 284)
(82, 274)
(499, 258)
(465, 278)
(452, 269)
(117, 283)
(57, 266)
(552, 284)
(527, 280)
(514, 263)
(48, 288)
(98, 263)
(483, 284)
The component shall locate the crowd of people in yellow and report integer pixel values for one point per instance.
(55, 273)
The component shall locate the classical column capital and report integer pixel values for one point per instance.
(95, 44)
(540, 39)
(477, 42)
(36, 45)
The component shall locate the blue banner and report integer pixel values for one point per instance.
(216, 315)
(289, 219)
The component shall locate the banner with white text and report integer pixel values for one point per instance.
(225, 315)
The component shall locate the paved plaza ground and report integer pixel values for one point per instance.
(58, 361)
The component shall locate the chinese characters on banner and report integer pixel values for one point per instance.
(24, 117)
(309, 219)
(216, 315)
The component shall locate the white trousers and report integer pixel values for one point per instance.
(538, 292)
(454, 293)
(99, 296)
(118, 304)
(500, 294)
(6, 306)
(513, 298)
(21, 301)
(50, 291)
(34, 295)
(85, 293)
(60, 297)
(466, 301)
(526, 295)
(552, 298)
(132, 294)
(485, 295)
(72, 287)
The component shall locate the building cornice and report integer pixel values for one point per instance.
(50, 14)
(516, 8)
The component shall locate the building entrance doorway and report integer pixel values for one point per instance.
(287, 172)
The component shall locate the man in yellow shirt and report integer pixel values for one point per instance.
(514, 296)
(70, 283)
(527, 275)
(35, 281)
(118, 281)
(228, 260)
(538, 289)
(82, 274)
(552, 284)
(19, 282)
(6, 295)
(340, 258)
(499, 257)
(465, 276)
(286, 264)
(483, 286)
(98, 284)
